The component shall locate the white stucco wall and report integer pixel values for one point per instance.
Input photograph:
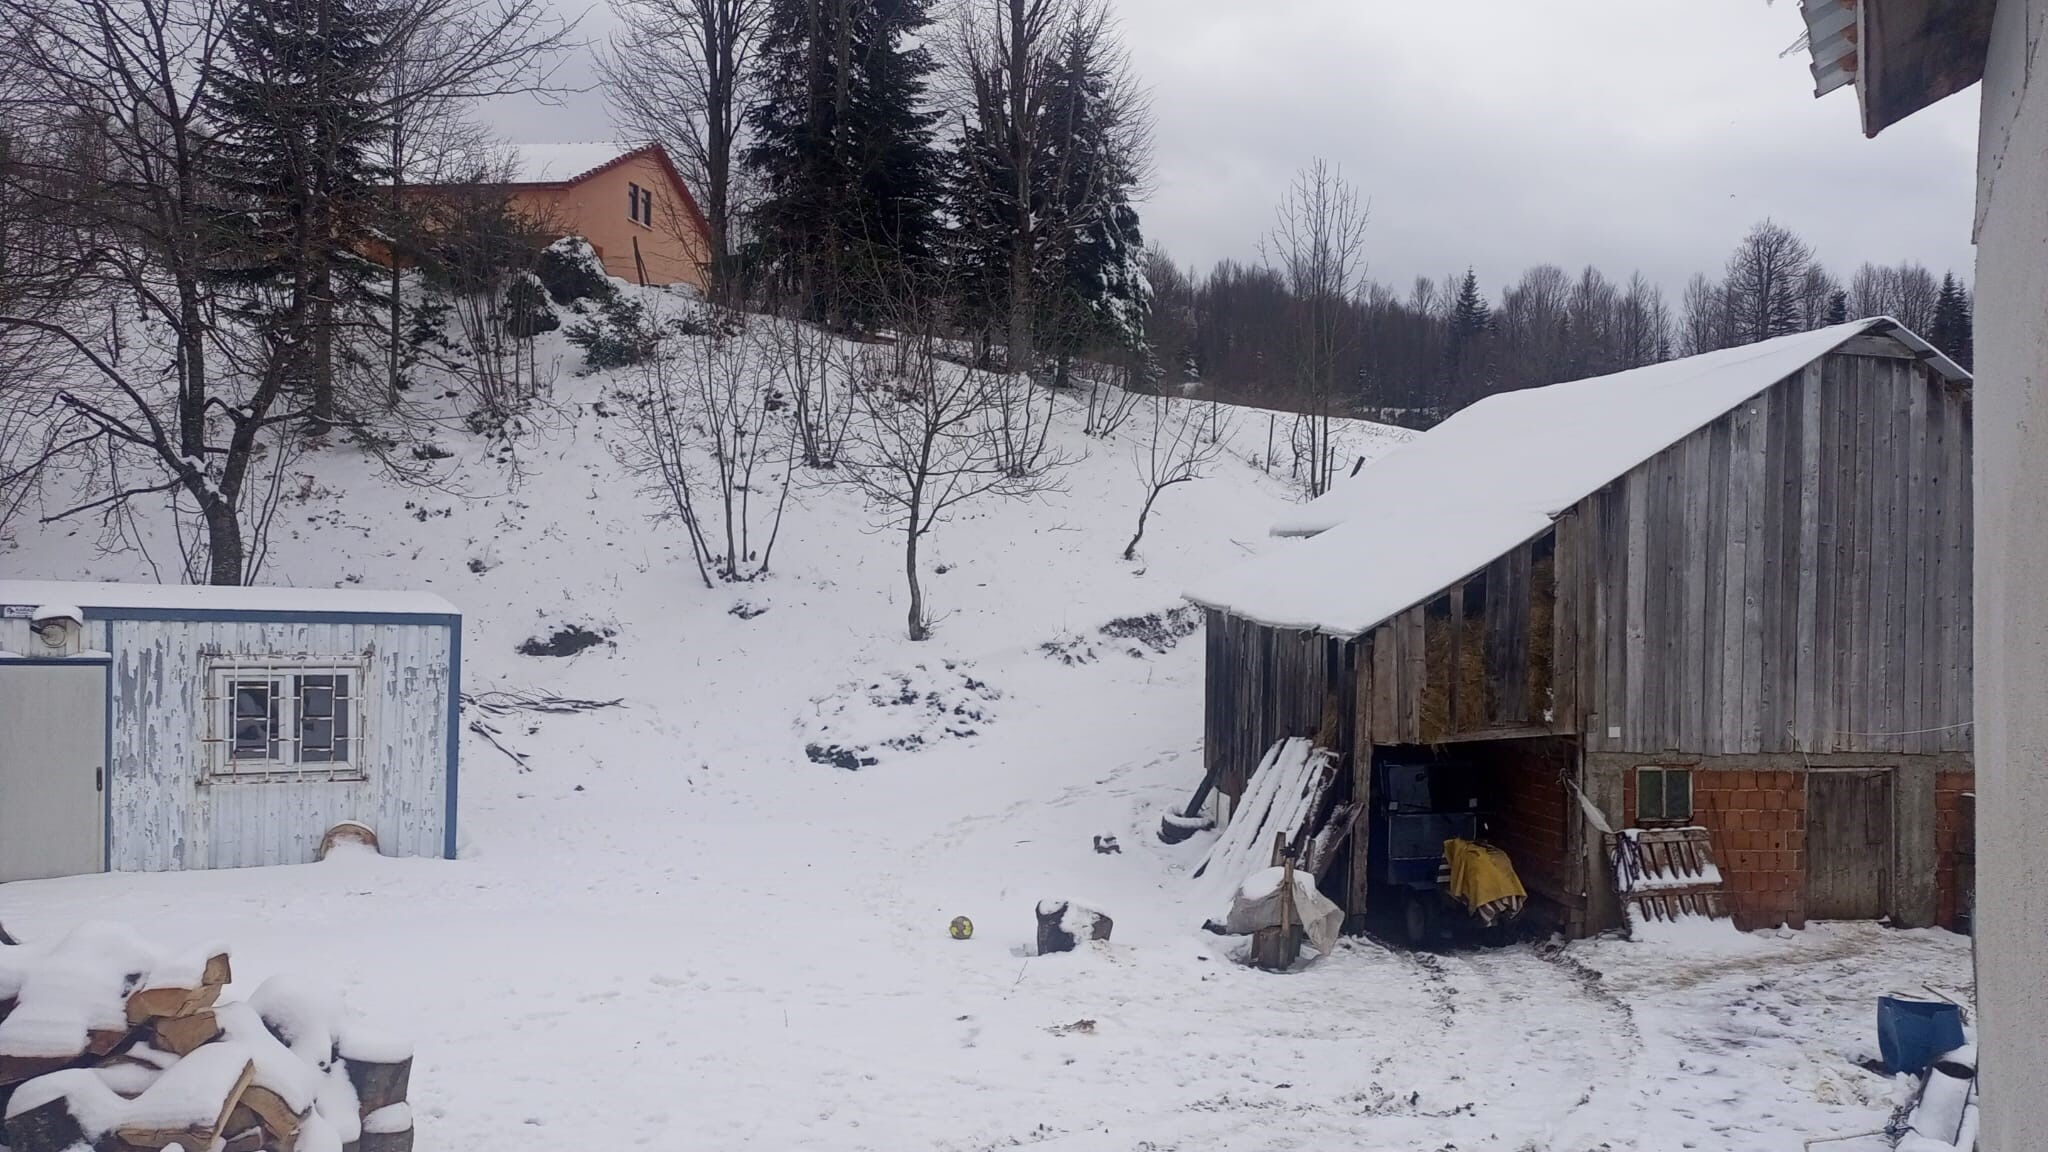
(2012, 579)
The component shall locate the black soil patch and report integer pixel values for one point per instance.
(1159, 631)
(568, 640)
(839, 756)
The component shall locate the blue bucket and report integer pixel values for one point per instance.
(1912, 1034)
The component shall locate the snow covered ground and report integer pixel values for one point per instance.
(674, 929)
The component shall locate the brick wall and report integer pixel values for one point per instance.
(1758, 824)
(1951, 848)
(1533, 830)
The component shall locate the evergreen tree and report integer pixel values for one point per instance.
(1837, 311)
(1952, 322)
(298, 127)
(1464, 334)
(1092, 290)
(843, 151)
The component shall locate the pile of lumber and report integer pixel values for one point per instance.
(109, 1044)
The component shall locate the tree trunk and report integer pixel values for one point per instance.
(223, 541)
(1131, 549)
(192, 370)
(918, 630)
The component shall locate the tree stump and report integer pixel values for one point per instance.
(1060, 920)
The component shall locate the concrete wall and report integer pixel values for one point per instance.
(2012, 576)
(673, 247)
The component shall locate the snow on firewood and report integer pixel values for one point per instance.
(117, 1044)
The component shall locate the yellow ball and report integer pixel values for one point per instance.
(962, 928)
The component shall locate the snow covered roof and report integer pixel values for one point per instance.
(563, 162)
(209, 598)
(1453, 500)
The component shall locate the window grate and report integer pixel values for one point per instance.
(277, 718)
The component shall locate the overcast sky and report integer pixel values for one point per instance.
(1630, 134)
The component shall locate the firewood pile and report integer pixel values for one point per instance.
(110, 1044)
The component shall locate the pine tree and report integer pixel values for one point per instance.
(1092, 288)
(1837, 311)
(1951, 332)
(844, 153)
(298, 128)
(1470, 318)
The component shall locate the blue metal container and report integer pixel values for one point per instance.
(1912, 1034)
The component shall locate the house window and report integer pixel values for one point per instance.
(1663, 795)
(271, 719)
(640, 205)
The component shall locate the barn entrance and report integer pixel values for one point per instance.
(1848, 845)
(53, 744)
(1507, 794)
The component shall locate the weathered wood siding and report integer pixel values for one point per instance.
(1265, 684)
(166, 815)
(1795, 577)
(1468, 662)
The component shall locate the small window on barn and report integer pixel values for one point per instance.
(1663, 795)
(269, 720)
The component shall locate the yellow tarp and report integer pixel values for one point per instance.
(1483, 880)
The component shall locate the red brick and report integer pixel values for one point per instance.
(1774, 800)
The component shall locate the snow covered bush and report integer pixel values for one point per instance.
(570, 270)
(899, 711)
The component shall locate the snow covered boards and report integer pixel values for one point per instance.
(1289, 797)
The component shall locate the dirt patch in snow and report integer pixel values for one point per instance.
(1152, 634)
(567, 640)
(900, 711)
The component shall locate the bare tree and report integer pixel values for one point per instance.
(1176, 450)
(816, 369)
(932, 439)
(1766, 277)
(1318, 247)
(707, 435)
(682, 72)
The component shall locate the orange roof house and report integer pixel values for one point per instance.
(628, 201)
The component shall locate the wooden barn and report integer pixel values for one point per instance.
(1730, 591)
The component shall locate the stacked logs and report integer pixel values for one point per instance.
(107, 1044)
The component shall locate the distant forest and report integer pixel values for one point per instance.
(1417, 355)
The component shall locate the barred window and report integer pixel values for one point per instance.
(270, 719)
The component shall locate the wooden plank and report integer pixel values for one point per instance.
(1415, 654)
(1883, 347)
(1828, 480)
(1791, 407)
(1735, 580)
(1806, 571)
(1455, 712)
(1714, 570)
(1857, 487)
(1847, 593)
(1667, 630)
(1767, 515)
(1566, 599)
(1634, 728)
(1914, 653)
(1940, 586)
(1887, 560)
(1510, 703)
(1964, 556)
(1754, 590)
(1594, 697)
(1692, 603)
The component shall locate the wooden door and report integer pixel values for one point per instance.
(1848, 845)
(53, 744)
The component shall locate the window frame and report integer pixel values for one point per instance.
(639, 205)
(285, 760)
(1663, 773)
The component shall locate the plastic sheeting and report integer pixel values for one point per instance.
(1256, 905)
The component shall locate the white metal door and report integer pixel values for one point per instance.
(53, 746)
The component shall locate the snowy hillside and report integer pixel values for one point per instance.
(680, 923)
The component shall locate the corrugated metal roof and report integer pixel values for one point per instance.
(1831, 37)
